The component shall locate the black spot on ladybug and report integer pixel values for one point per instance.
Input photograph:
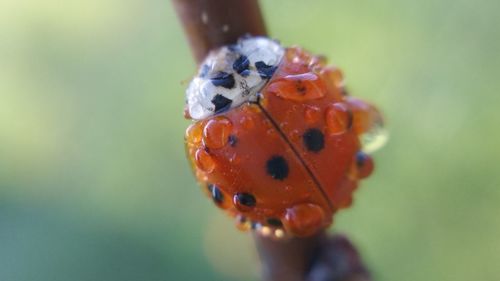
(241, 66)
(223, 79)
(217, 195)
(274, 222)
(277, 167)
(245, 199)
(204, 70)
(265, 71)
(314, 140)
(232, 140)
(221, 103)
(361, 158)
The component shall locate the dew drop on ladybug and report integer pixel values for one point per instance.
(275, 141)
(338, 118)
(204, 160)
(312, 114)
(369, 124)
(217, 133)
(194, 133)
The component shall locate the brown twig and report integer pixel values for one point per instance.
(212, 23)
(318, 258)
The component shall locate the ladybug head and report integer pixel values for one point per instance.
(232, 75)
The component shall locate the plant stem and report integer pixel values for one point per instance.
(213, 23)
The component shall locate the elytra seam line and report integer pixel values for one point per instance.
(316, 181)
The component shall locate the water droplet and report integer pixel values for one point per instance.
(333, 75)
(305, 219)
(216, 132)
(242, 223)
(234, 159)
(338, 119)
(295, 135)
(279, 233)
(256, 225)
(247, 122)
(271, 132)
(312, 114)
(317, 62)
(267, 123)
(194, 133)
(368, 123)
(375, 138)
(265, 231)
(297, 56)
(298, 87)
(204, 160)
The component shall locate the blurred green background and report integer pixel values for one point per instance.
(93, 180)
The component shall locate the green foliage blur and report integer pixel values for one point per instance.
(94, 184)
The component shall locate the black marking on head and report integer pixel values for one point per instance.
(217, 195)
(274, 222)
(223, 79)
(277, 167)
(361, 158)
(314, 140)
(221, 103)
(245, 199)
(265, 71)
(204, 70)
(241, 66)
(232, 140)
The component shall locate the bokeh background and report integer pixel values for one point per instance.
(93, 180)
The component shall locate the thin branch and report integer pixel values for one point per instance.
(287, 260)
(318, 258)
(212, 23)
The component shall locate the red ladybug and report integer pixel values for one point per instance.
(277, 143)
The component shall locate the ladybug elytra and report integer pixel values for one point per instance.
(277, 142)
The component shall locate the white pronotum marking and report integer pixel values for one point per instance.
(201, 91)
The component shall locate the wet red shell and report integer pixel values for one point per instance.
(285, 164)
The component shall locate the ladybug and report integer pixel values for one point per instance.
(277, 143)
